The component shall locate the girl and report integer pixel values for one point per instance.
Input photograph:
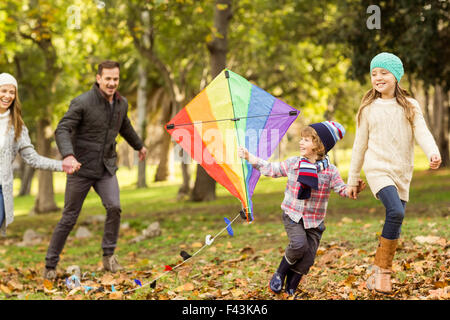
(388, 121)
(14, 139)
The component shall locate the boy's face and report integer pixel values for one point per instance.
(307, 147)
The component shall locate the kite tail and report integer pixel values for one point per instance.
(183, 262)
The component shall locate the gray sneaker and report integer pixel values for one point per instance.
(49, 274)
(110, 263)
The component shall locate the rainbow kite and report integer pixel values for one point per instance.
(231, 112)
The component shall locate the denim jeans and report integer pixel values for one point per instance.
(2, 207)
(395, 212)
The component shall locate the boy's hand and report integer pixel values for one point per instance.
(243, 153)
(352, 191)
(361, 186)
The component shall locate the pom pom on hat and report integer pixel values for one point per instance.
(390, 62)
(329, 133)
(6, 78)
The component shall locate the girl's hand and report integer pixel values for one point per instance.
(352, 192)
(435, 161)
(361, 186)
(243, 153)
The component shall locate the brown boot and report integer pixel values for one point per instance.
(380, 279)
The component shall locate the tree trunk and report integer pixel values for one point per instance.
(162, 172)
(205, 186)
(26, 179)
(186, 173)
(45, 201)
(142, 118)
(441, 113)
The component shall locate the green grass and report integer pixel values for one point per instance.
(352, 230)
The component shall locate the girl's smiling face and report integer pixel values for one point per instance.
(384, 82)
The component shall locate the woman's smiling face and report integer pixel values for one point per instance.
(7, 96)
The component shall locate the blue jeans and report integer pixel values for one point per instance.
(2, 207)
(395, 212)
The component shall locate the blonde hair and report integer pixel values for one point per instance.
(401, 96)
(319, 148)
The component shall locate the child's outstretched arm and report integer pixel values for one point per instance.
(341, 188)
(274, 170)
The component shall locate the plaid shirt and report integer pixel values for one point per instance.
(312, 210)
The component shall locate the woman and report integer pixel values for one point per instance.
(14, 139)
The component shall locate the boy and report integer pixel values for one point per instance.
(310, 180)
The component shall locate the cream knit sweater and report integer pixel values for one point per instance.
(384, 146)
(4, 121)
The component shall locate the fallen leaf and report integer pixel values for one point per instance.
(197, 245)
(5, 289)
(440, 284)
(48, 285)
(184, 272)
(442, 293)
(75, 290)
(349, 281)
(108, 280)
(186, 287)
(237, 293)
(213, 249)
(247, 250)
(116, 295)
(15, 285)
(431, 240)
(346, 220)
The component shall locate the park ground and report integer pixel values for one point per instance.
(237, 267)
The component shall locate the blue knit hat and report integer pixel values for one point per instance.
(329, 133)
(390, 62)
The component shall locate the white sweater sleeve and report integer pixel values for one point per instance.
(359, 149)
(422, 134)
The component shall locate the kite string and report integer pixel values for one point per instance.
(183, 262)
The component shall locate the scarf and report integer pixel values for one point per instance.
(307, 176)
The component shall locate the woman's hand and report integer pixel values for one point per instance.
(70, 165)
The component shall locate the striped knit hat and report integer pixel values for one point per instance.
(329, 133)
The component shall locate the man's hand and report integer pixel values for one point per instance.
(142, 154)
(70, 165)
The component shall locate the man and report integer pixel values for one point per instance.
(86, 139)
